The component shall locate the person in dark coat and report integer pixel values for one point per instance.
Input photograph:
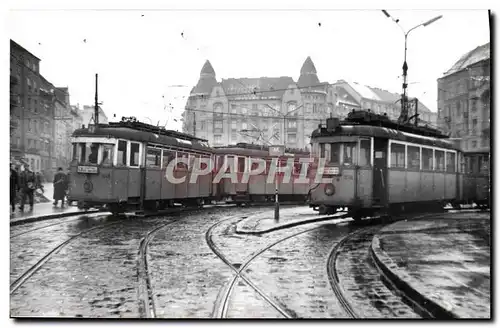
(27, 183)
(14, 186)
(60, 185)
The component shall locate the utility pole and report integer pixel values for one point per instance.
(96, 106)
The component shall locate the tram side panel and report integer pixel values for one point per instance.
(397, 185)
(365, 186)
(120, 183)
(153, 183)
(426, 186)
(450, 186)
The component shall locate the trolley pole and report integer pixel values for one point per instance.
(276, 151)
(276, 202)
(96, 106)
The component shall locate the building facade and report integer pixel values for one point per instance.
(352, 95)
(87, 115)
(31, 111)
(464, 100)
(265, 110)
(41, 118)
(278, 110)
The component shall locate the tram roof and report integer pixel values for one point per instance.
(155, 137)
(252, 152)
(322, 134)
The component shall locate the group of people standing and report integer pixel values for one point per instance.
(26, 182)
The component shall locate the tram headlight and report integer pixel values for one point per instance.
(329, 189)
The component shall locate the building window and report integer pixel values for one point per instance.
(244, 126)
(233, 109)
(474, 144)
(292, 124)
(292, 138)
(397, 155)
(254, 107)
(234, 137)
(233, 125)
(217, 139)
(218, 124)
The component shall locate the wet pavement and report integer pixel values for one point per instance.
(208, 264)
(446, 259)
(288, 217)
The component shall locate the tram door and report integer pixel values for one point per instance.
(380, 171)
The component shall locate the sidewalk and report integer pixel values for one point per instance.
(43, 211)
(289, 216)
(443, 262)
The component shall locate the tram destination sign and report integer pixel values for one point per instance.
(276, 150)
(88, 169)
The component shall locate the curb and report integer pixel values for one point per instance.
(286, 226)
(50, 217)
(381, 259)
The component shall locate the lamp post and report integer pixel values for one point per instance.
(285, 116)
(404, 103)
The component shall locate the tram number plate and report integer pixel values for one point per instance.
(331, 170)
(88, 169)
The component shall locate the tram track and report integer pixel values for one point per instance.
(27, 274)
(358, 244)
(145, 290)
(222, 306)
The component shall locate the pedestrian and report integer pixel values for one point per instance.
(27, 183)
(14, 186)
(60, 186)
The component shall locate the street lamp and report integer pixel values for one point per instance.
(404, 102)
(284, 119)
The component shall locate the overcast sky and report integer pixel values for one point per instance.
(140, 55)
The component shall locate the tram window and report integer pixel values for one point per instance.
(322, 150)
(134, 154)
(75, 151)
(335, 153)
(439, 160)
(364, 152)
(153, 157)
(397, 155)
(168, 156)
(427, 159)
(92, 151)
(315, 149)
(82, 152)
(122, 153)
(241, 164)
(194, 159)
(350, 153)
(413, 158)
(450, 162)
(182, 159)
(107, 155)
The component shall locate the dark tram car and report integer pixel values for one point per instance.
(259, 188)
(477, 180)
(371, 166)
(122, 166)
